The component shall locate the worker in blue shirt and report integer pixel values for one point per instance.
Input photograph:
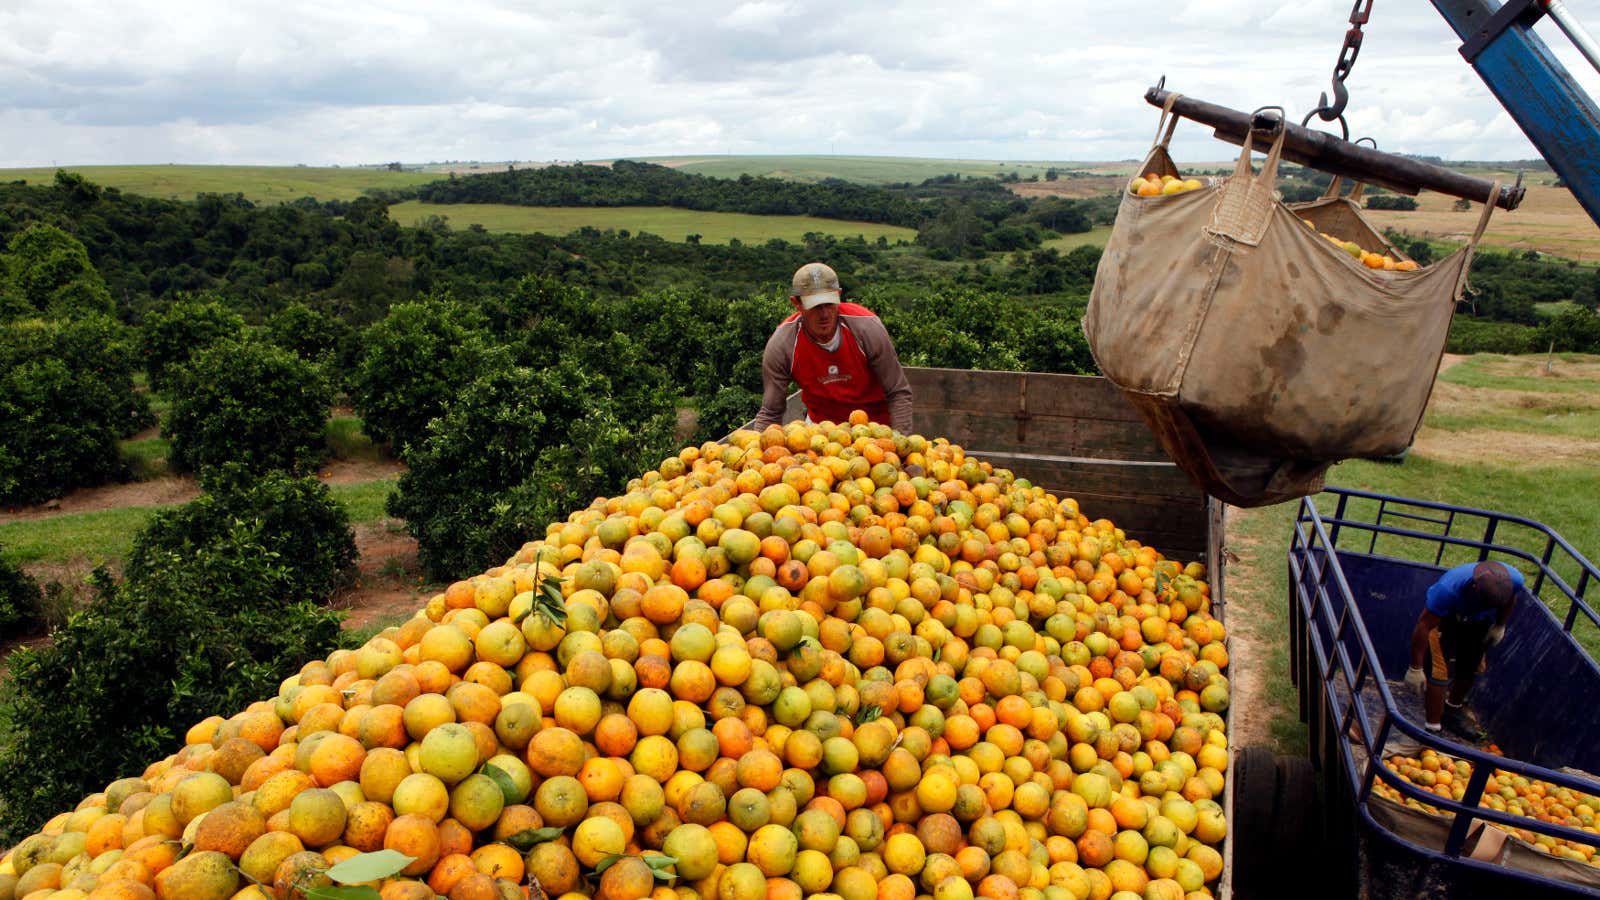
(1465, 614)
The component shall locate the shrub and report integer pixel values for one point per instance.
(1471, 335)
(311, 335)
(520, 448)
(1057, 345)
(725, 410)
(296, 518)
(1575, 330)
(1389, 201)
(53, 431)
(20, 600)
(66, 395)
(172, 336)
(250, 403)
(96, 347)
(417, 359)
(47, 271)
(1507, 286)
(218, 607)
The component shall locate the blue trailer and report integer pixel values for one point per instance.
(1359, 566)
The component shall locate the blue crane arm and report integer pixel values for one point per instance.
(1555, 113)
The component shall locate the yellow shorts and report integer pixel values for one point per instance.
(1454, 647)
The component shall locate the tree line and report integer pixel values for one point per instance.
(954, 216)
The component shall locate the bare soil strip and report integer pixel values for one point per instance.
(1249, 643)
(173, 489)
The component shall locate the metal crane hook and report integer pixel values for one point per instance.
(1334, 112)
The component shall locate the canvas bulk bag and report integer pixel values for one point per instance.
(1258, 351)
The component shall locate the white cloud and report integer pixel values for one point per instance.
(763, 16)
(294, 81)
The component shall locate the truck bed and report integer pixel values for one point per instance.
(1359, 568)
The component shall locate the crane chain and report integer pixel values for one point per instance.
(1334, 112)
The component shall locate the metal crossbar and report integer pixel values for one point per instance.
(1544, 563)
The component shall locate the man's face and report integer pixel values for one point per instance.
(819, 322)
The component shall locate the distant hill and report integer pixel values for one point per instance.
(259, 184)
(280, 184)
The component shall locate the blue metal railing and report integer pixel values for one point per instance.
(1545, 560)
(1347, 666)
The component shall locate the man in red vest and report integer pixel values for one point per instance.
(839, 354)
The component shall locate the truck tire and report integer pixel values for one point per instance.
(1297, 822)
(1255, 788)
(1276, 825)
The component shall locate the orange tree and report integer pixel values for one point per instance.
(415, 360)
(222, 597)
(66, 397)
(19, 599)
(252, 404)
(522, 444)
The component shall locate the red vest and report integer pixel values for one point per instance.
(834, 383)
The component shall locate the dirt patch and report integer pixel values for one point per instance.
(1539, 366)
(1075, 188)
(352, 471)
(173, 489)
(1513, 449)
(1550, 219)
(389, 586)
(155, 492)
(1503, 447)
(1249, 646)
(1459, 399)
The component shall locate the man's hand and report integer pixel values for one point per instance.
(1496, 635)
(1414, 679)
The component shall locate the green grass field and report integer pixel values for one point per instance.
(346, 440)
(1562, 400)
(665, 222)
(99, 536)
(106, 536)
(146, 458)
(1095, 237)
(1551, 310)
(261, 184)
(363, 501)
(276, 184)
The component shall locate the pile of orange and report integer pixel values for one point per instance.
(823, 660)
(1506, 792)
(1152, 185)
(1367, 258)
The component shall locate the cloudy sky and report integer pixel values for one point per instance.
(285, 82)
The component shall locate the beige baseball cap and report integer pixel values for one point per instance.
(815, 284)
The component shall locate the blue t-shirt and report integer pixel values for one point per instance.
(1449, 595)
